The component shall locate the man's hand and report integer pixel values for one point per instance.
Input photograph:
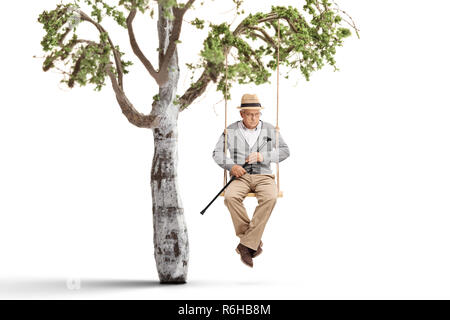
(254, 157)
(237, 171)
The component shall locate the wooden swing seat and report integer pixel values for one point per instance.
(252, 194)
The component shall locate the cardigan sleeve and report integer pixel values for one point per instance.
(276, 154)
(219, 155)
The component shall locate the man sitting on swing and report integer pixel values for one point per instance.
(244, 137)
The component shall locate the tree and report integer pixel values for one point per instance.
(308, 41)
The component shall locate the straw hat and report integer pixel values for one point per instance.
(250, 101)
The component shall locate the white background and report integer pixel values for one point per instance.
(366, 208)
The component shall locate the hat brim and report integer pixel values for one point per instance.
(250, 108)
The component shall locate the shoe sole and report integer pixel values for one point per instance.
(242, 259)
(259, 252)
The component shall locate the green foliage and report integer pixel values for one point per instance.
(140, 5)
(53, 21)
(87, 59)
(100, 8)
(238, 4)
(89, 62)
(125, 63)
(167, 8)
(176, 101)
(248, 68)
(308, 41)
(198, 23)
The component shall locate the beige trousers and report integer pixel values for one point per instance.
(250, 231)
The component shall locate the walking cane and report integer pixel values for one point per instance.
(234, 177)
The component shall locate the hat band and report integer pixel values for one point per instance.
(250, 105)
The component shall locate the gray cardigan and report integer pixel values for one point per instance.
(239, 149)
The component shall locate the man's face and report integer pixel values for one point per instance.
(250, 118)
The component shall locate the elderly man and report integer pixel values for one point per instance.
(244, 139)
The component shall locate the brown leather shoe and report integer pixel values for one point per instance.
(246, 255)
(257, 252)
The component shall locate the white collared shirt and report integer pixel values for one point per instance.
(250, 135)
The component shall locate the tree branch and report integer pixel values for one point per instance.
(134, 45)
(188, 5)
(267, 38)
(135, 117)
(116, 54)
(197, 89)
(293, 28)
(162, 75)
(173, 38)
(138, 119)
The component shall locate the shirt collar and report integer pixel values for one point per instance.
(247, 129)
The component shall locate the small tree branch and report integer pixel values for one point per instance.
(267, 38)
(138, 119)
(116, 54)
(136, 49)
(202, 82)
(194, 91)
(293, 28)
(188, 5)
(77, 66)
(258, 36)
(352, 23)
(269, 17)
(135, 117)
(173, 38)
(162, 75)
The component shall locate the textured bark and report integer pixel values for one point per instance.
(171, 246)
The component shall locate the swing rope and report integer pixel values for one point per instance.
(280, 194)
(278, 103)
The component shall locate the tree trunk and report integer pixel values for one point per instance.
(170, 236)
(169, 228)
